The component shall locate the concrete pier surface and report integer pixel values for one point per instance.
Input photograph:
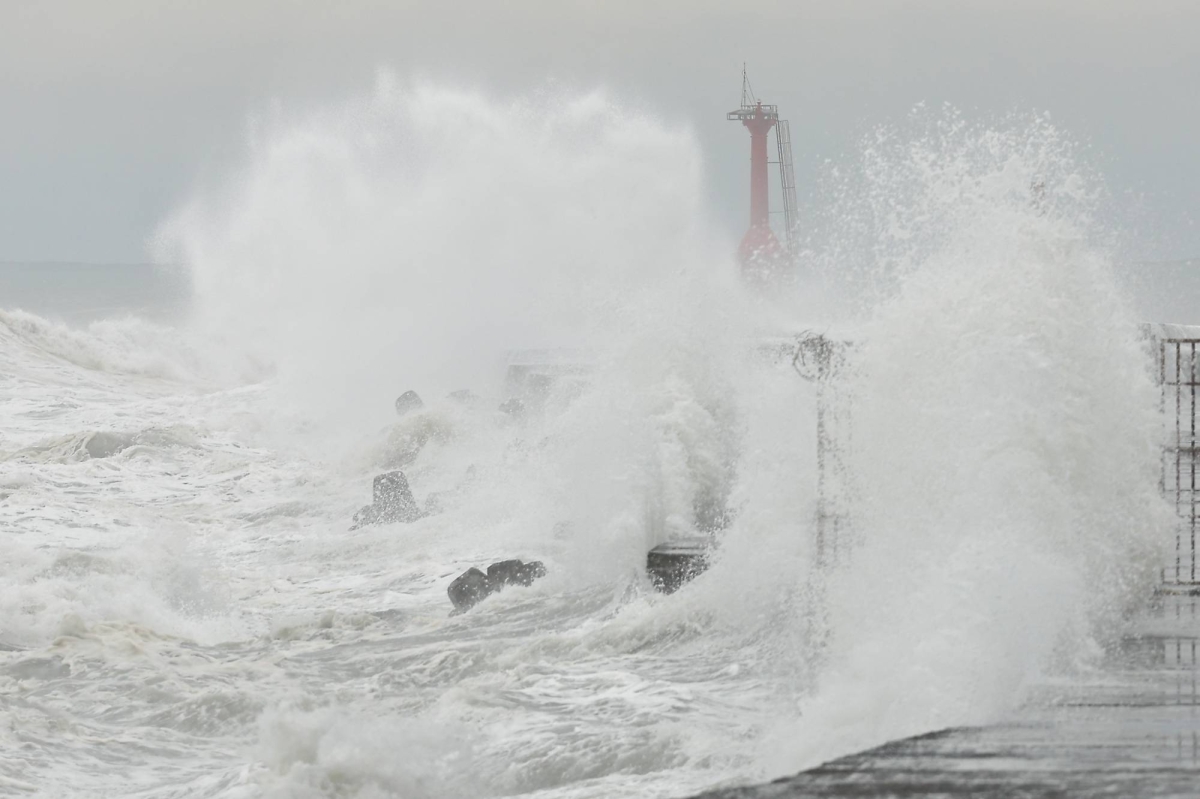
(1131, 731)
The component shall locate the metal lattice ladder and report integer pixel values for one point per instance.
(787, 183)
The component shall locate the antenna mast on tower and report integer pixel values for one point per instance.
(759, 246)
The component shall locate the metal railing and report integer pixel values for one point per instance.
(1177, 349)
(1177, 377)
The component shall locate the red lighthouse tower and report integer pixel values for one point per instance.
(760, 252)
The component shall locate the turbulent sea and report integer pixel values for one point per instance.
(185, 611)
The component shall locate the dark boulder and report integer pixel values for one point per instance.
(514, 572)
(672, 564)
(407, 438)
(468, 589)
(408, 401)
(513, 407)
(473, 586)
(394, 498)
(393, 502)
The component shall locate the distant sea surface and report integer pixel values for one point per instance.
(1165, 291)
(78, 293)
(82, 292)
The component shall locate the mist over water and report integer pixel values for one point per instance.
(406, 238)
(999, 484)
(1003, 462)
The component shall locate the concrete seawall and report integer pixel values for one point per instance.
(1132, 730)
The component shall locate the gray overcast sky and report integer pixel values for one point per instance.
(113, 107)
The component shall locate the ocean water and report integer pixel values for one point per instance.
(187, 613)
(82, 293)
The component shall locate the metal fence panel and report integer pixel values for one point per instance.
(1178, 376)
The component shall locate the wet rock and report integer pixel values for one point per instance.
(514, 572)
(408, 401)
(464, 395)
(393, 502)
(672, 564)
(469, 588)
(391, 492)
(473, 586)
(365, 516)
(408, 437)
(513, 407)
(404, 446)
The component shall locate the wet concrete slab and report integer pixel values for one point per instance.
(1131, 731)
